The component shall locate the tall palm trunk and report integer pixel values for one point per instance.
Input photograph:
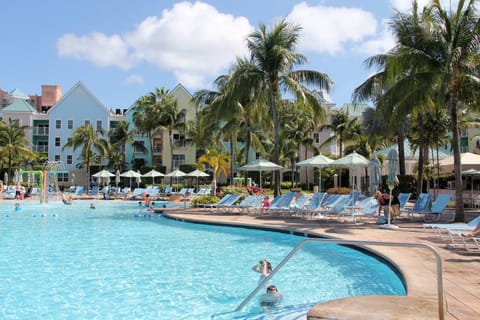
(276, 147)
(459, 211)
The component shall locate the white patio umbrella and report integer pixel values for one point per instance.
(139, 179)
(103, 175)
(319, 161)
(152, 174)
(175, 174)
(16, 176)
(130, 174)
(196, 174)
(352, 161)
(261, 165)
(5, 178)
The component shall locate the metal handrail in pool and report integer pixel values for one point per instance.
(440, 294)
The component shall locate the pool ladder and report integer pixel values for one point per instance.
(438, 260)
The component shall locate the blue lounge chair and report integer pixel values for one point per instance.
(243, 204)
(403, 199)
(421, 205)
(438, 208)
(282, 204)
(367, 207)
(313, 204)
(221, 201)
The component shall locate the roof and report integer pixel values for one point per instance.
(20, 106)
(16, 93)
(410, 153)
(355, 109)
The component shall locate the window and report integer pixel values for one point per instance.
(57, 157)
(62, 177)
(57, 142)
(69, 140)
(178, 159)
(58, 124)
(87, 122)
(139, 147)
(70, 124)
(316, 137)
(99, 124)
(69, 159)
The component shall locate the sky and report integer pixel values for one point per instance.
(123, 49)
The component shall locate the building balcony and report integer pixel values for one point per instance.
(40, 148)
(40, 131)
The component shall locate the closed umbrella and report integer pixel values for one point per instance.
(319, 161)
(117, 177)
(392, 181)
(5, 178)
(352, 161)
(139, 179)
(261, 165)
(376, 172)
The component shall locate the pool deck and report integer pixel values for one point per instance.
(461, 268)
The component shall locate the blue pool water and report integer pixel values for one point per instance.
(117, 262)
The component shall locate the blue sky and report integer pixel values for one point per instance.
(123, 49)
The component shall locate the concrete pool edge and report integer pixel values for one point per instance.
(421, 299)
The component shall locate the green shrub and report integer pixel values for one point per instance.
(204, 200)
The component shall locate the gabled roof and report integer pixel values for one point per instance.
(16, 93)
(410, 153)
(78, 85)
(20, 106)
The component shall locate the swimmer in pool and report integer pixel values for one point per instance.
(271, 298)
(264, 267)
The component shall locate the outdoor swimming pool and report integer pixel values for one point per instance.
(70, 262)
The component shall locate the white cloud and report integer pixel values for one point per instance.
(328, 29)
(134, 79)
(381, 44)
(192, 40)
(104, 51)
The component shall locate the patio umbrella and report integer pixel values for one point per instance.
(175, 174)
(130, 174)
(392, 181)
(5, 178)
(471, 172)
(261, 165)
(73, 179)
(197, 173)
(103, 174)
(352, 161)
(319, 161)
(376, 172)
(16, 176)
(152, 174)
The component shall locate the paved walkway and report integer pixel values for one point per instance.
(461, 269)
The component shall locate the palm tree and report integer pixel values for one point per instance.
(14, 144)
(344, 128)
(219, 163)
(92, 143)
(120, 136)
(435, 60)
(273, 59)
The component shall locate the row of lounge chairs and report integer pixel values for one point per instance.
(453, 234)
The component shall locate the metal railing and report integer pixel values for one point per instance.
(438, 260)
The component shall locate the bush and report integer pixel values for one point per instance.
(340, 190)
(204, 200)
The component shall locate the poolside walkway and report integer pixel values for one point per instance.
(461, 269)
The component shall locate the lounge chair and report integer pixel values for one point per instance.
(335, 207)
(458, 240)
(367, 208)
(228, 203)
(315, 201)
(283, 203)
(243, 204)
(441, 229)
(403, 199)
(438, 208)
(421, 205)
(298, 205)
(255, 206)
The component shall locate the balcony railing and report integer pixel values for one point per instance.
(40, 131)
(40, 148)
